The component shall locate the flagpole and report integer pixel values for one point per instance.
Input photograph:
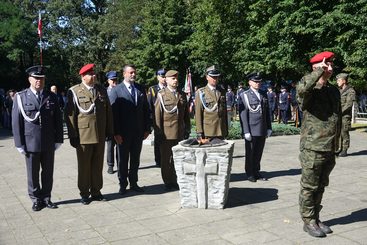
(39, 31)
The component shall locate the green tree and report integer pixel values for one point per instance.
(160, 41)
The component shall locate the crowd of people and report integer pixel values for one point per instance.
(124, 114)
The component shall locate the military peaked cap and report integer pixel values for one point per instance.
(111, 75)
(342, 76)
(171, 73)
(255, 76)
(212, 71)
(161, 72)
(36, 71)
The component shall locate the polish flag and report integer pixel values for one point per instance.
(39, 31)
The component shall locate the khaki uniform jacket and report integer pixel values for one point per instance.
(172, 125)
(92, 127)
(211, 124)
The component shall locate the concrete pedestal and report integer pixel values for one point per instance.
(203, 174)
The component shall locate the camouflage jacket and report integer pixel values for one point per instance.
(347, 98)
(321, 113)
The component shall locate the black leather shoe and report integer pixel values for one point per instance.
(136, 188)
(85, 200)
(99, 198)
(50, 204)
(326, 229)
(314, 230)
(122, 191)
(110, 170)
(37, 206)
(251, 179)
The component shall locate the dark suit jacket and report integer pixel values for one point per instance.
(41, 134)
(130, 120)
(256, 123)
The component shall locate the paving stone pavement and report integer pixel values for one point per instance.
(256, 213)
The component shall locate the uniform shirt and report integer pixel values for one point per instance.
(211, 123)
(321, 113)
(172, 124)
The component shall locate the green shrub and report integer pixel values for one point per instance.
(235, 130)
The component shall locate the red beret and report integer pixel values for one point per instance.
(320, 56)
(86, 68)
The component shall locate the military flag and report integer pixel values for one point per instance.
(188, 82)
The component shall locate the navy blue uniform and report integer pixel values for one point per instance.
(37, 138)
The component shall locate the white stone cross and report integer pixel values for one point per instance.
(201, 170)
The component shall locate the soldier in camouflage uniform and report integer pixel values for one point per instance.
(347, 97)
(320, 103)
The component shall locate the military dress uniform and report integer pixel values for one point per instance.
(319, 131)
(89, 120)
(152, 97)
(172, 119)
(347, 99)
(211, 113)
(283, 106)
(37, 128)
(255, 120)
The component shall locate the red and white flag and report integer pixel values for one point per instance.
(39, 31)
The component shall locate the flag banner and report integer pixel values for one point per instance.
(39, 30)
(188, 82)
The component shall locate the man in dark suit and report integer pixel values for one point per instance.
(38, 132)
(256, 125)
(152, 97)
(131, 126)
(88, 117)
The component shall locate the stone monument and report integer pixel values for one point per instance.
(203, 174)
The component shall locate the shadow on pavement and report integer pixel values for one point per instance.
(148, 190)
(357, 216)
(245, 196)
(358, 153)
(148, 167)
(5, 133)
(290, 172)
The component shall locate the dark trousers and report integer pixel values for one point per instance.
(90, 167)
(284, 116)
(129, 150)
(254, 152)
(167, 165)
(35, 161)
(111, 154)
(157, 151)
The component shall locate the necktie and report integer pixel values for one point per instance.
(38, 95)
(132, 91)
(215, 93)
(93, 92)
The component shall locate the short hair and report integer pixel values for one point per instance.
(127, 66)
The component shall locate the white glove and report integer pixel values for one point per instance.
(21, 150)
(57, 146)
(269, 132)
(248, 136)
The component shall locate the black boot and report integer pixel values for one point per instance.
(314, 230)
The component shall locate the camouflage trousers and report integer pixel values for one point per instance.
(316, 168)
(345, 138)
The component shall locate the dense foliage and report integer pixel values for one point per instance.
(240, 36)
